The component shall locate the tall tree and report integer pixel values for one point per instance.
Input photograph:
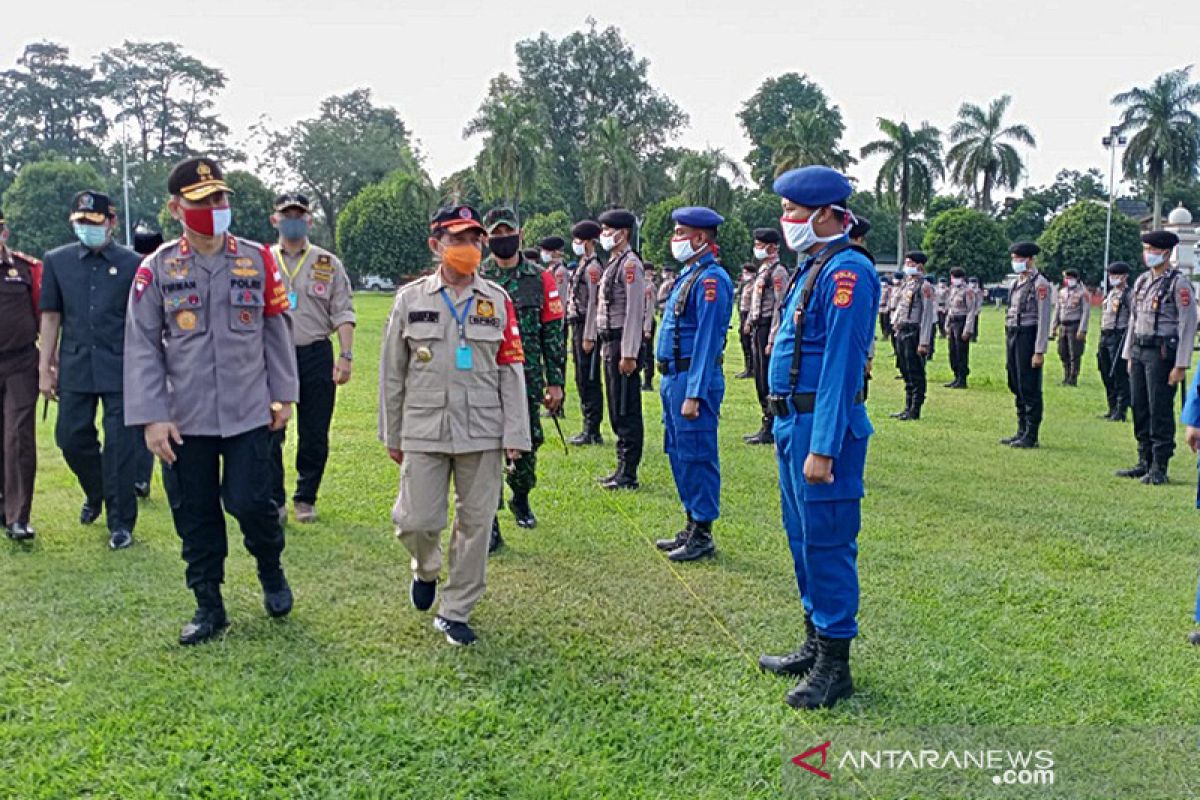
(699, 180)
(811, 136)
(611, 173)
(769, 111)
(912, 162)
(1164, 131)
(39, 201)
(350, 144)
(167, 96)
(981, 158)
(514, 142)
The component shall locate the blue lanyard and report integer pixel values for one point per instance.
(461, 319)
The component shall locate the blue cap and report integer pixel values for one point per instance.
(697, 217)
(813, 187)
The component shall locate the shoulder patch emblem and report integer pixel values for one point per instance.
(485, 309)
(141, 279)
(1185, 296)
(844, 282)
(1043, 292)
(710, 289)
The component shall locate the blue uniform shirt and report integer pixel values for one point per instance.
(838, 331)
(704, 323)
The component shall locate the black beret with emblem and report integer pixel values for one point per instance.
(766, 235)
(93, 207)
(1118, 268)
(618, 218)
(586, 230)
(916, 256)
(1160, 240)
(531, 254)
(145, 240)
(552, 243)
(860, 228)
(292, 200)
(196, 178)
(1025, 249)
(455, 219)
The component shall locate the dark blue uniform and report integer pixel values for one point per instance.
(822, 521)
(1191, 417)
(694, 371)
(90, 289)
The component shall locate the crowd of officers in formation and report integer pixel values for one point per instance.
(204, 344)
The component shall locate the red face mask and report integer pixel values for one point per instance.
(207, 221)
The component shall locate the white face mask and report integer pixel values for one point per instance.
(1019, 266)
(956, 281)
(608, 241)
(800, 235)
(1071, 283)
(578, 248)
(910, 271)
(1153, 259)
(761, 253)
(546, 257)
(682, 250)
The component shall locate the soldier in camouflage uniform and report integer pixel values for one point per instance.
(540, 318)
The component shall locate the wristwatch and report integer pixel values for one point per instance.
(349, 356)
(276, 407)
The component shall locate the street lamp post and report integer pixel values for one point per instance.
(1112, 142)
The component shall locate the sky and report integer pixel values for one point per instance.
(1061, 61)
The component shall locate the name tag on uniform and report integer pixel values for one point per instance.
(293, 300)
(462, 357)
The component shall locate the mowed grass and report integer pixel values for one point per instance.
(1000, 587)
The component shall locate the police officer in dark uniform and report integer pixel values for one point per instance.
(84, 289)
(145, 241)
(1114, 322)
(210, 370)
(690, 352)
(913, 321)
(1027, 331)
(582, 301)
(19, 297)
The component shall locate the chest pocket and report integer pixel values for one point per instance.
(16, 284)
(247, 310)
(186, 314)
(319, 288)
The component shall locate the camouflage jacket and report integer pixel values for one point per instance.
(540, 317)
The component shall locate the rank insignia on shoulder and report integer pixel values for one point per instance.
(486, 309)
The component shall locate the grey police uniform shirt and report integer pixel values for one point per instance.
(916, 306)
(745, 293)
(91, 291)
(1163, 306)
(1114, 315)
(622, 298)
(1073, 306)
(766, 294)
(962, 302)
(208, 345)
(583, 293)
(320, 287)
(1030, 303)
(562, 276)
(427, 403)
(664, 293)
(885, 297)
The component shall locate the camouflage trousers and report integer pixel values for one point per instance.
(523, 476)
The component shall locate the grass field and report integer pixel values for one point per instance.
(1000, 587)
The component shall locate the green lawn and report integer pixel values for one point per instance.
(1000, 587)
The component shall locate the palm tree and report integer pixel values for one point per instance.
(811, 136)
(1164, 128)
(913, 161)
(699, 181)
(980, 159)
(514, 141)
(612, 175)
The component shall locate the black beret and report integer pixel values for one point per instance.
(586, 230)
(146, 241)
(1071, 273)
(196, 179)
(1162, 240)
(455, 218)
(766, 235)
(916, 256)
(552, 243)
(748, 267)
(1118, 268)
(93, 207)
(1025, 249)
(531, 254)
(618, 218)
(958, 272)
(860, 228)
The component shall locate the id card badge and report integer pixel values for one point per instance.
(462, 357)
(293, 299)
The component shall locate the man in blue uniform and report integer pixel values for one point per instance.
(821, 428)
(690, 351)
(1191, 418)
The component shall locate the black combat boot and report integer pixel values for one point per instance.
(618, 472)
(1138, 470)
(495, 541)
(667, 545)
(625, 478)
(519, 505)
(829, 680)
(277, 595)
(1029, 440)
(1157, 475)
(699, 545)
(914, 411)
(209, 619)
(798, 663)
(1020, 434)
(765, 433)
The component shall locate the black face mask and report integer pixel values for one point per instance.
(504, 246)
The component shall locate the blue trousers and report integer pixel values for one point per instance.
(822, 525)
(691, 447)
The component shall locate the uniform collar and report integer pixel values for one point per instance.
(706, 258)
(436, 284)
(104, 252)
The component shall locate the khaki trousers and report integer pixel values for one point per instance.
(421, 513)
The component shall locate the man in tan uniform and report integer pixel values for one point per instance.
(322, 303)
(452, 402)
(1072, 308)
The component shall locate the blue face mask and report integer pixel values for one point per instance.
(91, 235)
(293, 228)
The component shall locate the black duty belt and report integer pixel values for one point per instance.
(1070, 323)
(762, 323)
(1113, 332)
(1155, 341)
(681, 365)
(958, 318)
(1012, 330)
(610, 335)
(908, 327)
(801, 403)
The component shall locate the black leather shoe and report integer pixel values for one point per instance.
(914, 412)
(762, 437)
(1194, 638)
(744, 374)
(277, 595)
(209, 619)
(667, 545)
(829, 681)
(142, 490)
(119, 539)
(1138, 470)
(422, 593)
(900, 414)
(585, 438)
(519, 505)
(496, 541)
(699, 545)
(89, 513)
(1155, 477)
(950, 385)
(19, 532)
(616, 473)
(621, 481)
(1026, 442)
(1010, 439)
(799, 663)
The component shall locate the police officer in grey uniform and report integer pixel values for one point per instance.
(766, 296)
(85, 286)
(1158, 350)
(913, 320)
(1072, 310)
(745, 286)
(1027, 331)
(582, 305)
(619, 316)
(210, 370)
(145, 241)
(1114, 322)
(962, 311)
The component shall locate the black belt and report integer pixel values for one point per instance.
(1155, 341)
(1072, 323)
(682, 365)
(802, 403)
(610, 335)
(1113, 332)
(1012, 329)
(908, 327)
(762, 323)
(958, 318)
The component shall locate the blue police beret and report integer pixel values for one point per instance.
(697, 217)
(813, 187)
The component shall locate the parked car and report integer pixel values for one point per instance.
(377, 283)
